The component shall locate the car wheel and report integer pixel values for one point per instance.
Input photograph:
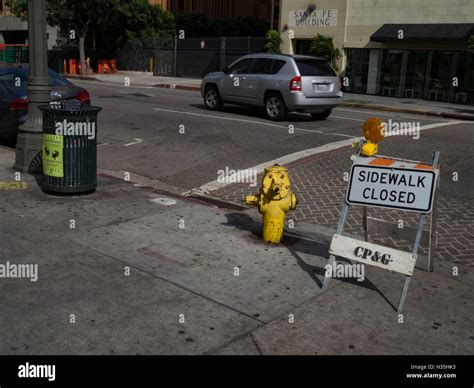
(275, 108)
(212, 99)
(321, 115)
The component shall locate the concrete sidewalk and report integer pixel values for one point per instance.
(144, 79)
(391, 104)
(127, 270)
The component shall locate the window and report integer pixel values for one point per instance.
(242, 67)
(303, 46)
(261, 66)
(267, 66)
(56, 79)
(357, 71)
(314, 67)
(277, 66)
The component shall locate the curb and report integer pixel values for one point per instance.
(159, 85)
(148, 184)
(178, 86)
(457, 116)
(82, 77)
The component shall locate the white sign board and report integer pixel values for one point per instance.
(372, 254)
(392, 187)
(316, 18)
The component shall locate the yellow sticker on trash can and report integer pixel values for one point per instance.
(53, 155)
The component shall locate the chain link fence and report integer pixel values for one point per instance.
(192, 57)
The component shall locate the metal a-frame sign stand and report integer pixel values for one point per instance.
(402, 262)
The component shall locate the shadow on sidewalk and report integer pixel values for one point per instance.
(301, 244)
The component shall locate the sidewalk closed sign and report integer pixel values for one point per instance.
(390, 183)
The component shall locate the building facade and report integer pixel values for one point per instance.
(402, 48)
(13, 30)
(220, 9)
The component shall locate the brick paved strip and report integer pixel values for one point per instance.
(318, 181)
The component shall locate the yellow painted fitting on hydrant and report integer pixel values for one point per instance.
(273, 201)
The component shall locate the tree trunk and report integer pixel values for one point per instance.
(82, 54)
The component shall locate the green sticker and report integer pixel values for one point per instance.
(53, 155)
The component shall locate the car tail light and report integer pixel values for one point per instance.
(83, 96)
(295, 84)
(18, 104)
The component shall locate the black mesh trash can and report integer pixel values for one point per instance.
(69, 151)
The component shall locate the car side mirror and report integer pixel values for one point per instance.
(226, 70)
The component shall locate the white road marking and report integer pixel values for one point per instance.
(391, 114)
(252, 122)
(215, 185)
(137, 141)
(347, 118)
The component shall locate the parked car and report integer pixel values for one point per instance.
(279, 83)
(13, 96)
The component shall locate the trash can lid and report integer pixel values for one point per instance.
(69, 107)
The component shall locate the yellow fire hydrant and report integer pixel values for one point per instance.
(273, 201)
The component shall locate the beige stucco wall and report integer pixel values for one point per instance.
(357, 20)
(336, 32)
(364, 17)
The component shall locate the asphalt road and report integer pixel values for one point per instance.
(140, 131)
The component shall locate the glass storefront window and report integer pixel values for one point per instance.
(415, 74)
(441, 76)
(464, 92)
(357, 70)
(391, 73)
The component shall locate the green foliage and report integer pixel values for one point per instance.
(194, 25)
(115, 23)
(18, 7)
(141, 25)
(273, 42)
(323, 46)
(80, 15)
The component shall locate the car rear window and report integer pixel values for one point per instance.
(57, 79)
(267, 66)
(314, 67)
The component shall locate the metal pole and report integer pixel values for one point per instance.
(339, 230)
(365, 223)
(419, 234)
(29, 138)
(433, 218)
(175, 54)
(272, 15)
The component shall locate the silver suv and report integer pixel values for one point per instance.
(279, 83)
